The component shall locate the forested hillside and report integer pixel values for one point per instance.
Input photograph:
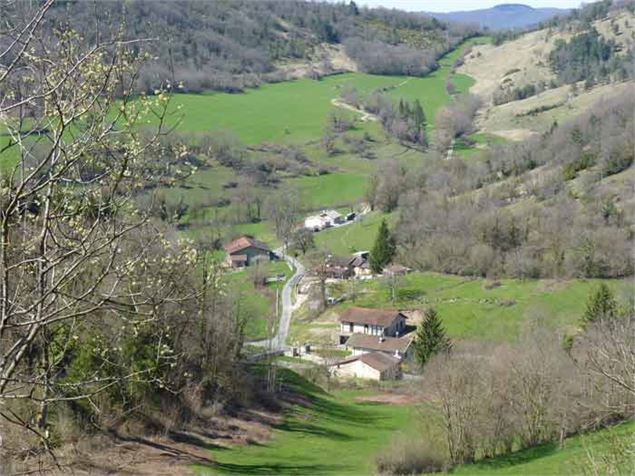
(230, 45)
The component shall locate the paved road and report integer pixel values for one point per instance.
(278, 342)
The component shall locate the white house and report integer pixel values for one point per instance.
(373, 322)
(371, 366)
(326, 219)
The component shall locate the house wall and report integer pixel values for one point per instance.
(254, 254)
(362, 350)
(398, 325)
(360, 329)
(314, 223)
(357, 369)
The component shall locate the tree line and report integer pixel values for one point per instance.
(233, 45)
(491, 400)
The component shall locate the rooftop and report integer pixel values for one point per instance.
(384, 344)
(362, 315)
(377, 360)
(244, 242)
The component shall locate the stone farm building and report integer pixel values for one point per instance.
(372, 322)
(245, 251)
(371, 366)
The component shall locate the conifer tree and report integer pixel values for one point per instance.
(601, 305)
(383, 249)
(430, 338)
(419, 115)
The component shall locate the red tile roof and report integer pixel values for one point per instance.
(362, 315)
(243, 243)
(386, 344)
(377, 360)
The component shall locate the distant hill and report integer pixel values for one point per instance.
(505, 16)
(231, 45)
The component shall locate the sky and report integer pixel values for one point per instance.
(455, 5)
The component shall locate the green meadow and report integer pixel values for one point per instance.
(359, 236)
(473, 309)
(296, 111)
(336, 433)
(571, 458)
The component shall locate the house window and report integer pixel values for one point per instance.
(365, 328)
(350, 327)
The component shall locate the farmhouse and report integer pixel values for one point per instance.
(338, 268)
(372, 366)
(398, 347)
(245, 251)
(359, 264)
(373, 322)
(326, 219)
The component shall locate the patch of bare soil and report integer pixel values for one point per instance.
(391, 398)
(171, 454)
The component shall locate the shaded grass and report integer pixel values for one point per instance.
(549, 459)
(328, 434)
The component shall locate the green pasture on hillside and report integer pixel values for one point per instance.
(296, 111)
(359, 236)
(476, 309)
(337, 434)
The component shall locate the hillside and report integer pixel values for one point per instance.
(233, 45)
(525, 93)
(502, 17)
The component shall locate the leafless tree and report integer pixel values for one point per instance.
(77, 158)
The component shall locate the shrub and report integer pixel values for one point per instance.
(405, 456)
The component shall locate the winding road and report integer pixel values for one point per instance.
(278, 342)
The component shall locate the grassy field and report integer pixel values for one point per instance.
(470, 308)
(259, 301)
(296, 111)
(359, 236)
(549, 459)
(334, 434)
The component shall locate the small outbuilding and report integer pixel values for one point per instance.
(372, 366)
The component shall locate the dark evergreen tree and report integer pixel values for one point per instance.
(383, 249)
(601, 305)
(419, 115)
(430, 338)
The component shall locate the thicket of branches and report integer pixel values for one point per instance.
(492, 400)
(106, 318)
